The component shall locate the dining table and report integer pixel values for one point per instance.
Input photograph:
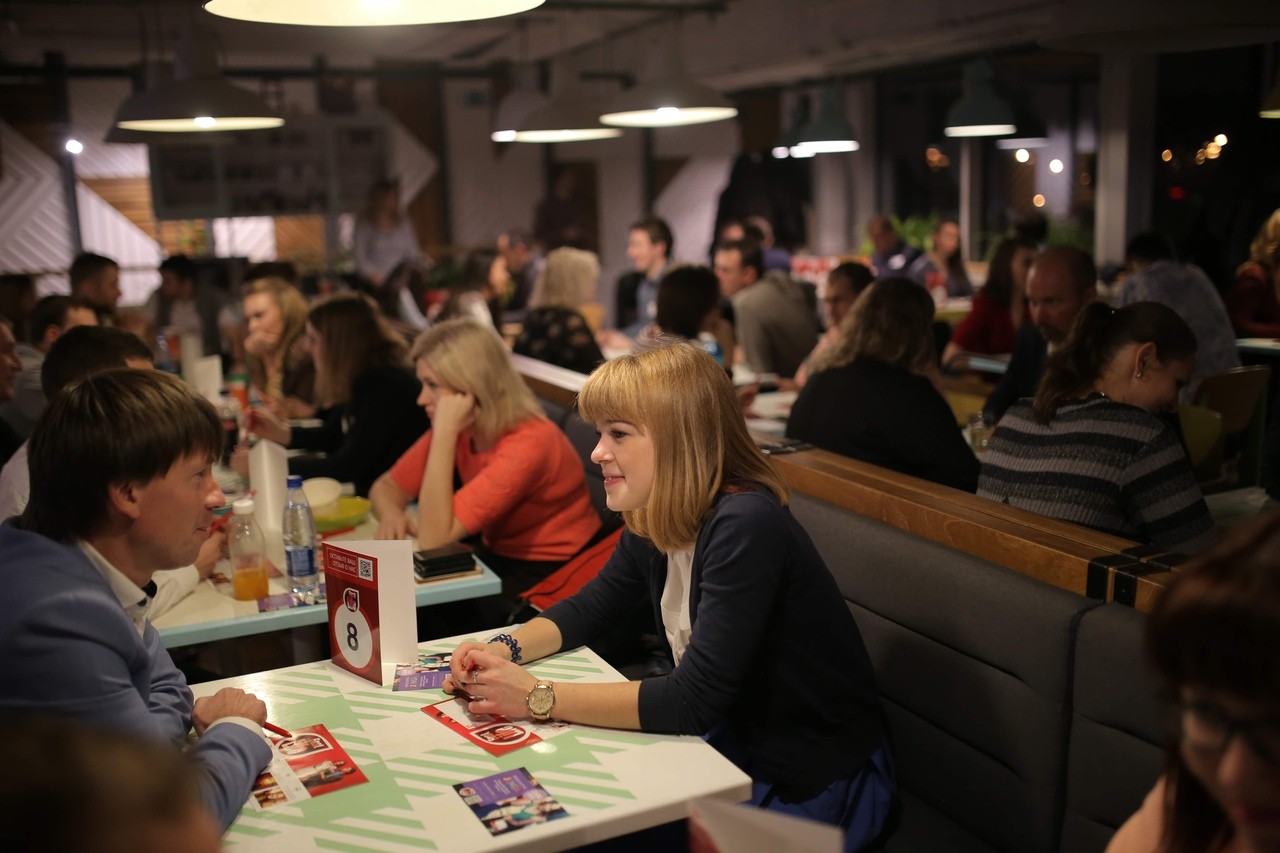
(421, 773)
(209, 613)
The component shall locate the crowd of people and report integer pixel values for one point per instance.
(440, 431)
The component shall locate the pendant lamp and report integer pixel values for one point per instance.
(667, 96)
(1271, 103)
(828, 132)
(199, 98)
(980, 111)
(366, 13)
(518, 104)
(570, 115)
(1031, 132)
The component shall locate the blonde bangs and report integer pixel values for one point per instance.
(613, 392)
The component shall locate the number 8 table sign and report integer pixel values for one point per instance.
(369, 586)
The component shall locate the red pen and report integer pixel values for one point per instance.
(276, 730)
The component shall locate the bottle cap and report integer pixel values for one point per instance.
(244, 506)
(294, 481)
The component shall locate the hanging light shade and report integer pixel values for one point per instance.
(980, 111)
(570, 115)
(1271, 103)
(155, 73)
(1031, 132)
(199, 98)
(788, 138)
(667, 96)
(366, 13)
(1160, 26)
(518, 104)
(829, 132)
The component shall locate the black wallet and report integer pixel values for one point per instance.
(445, 560)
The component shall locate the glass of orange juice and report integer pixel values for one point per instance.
(249, 582)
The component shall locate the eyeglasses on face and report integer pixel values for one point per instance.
(1207, 728)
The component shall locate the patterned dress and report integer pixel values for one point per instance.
(559, 336)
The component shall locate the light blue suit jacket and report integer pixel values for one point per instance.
(68, 647)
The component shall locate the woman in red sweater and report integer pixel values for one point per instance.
(522, 488)
(1251, 299)
(999, 307)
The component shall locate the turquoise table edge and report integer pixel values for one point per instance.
(438, 592)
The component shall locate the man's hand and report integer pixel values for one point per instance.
(227, 702)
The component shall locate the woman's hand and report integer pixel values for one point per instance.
(261, 343)
(296, 407)
(397, 526)
(495, 684)
(262, 423)
(454, 413)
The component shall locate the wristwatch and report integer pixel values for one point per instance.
(541, 700)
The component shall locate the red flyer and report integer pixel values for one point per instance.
(493, 734)
(308, 764)
(352, 585)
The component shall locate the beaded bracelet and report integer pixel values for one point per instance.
(510, 642)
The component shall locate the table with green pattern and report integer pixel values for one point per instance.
(610, 782)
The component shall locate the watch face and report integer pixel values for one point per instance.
(541, 700)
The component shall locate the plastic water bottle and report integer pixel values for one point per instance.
(299, 531)
(248, 553)
(165, 357)
(708, 342)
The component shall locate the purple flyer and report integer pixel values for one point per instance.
(509, 801)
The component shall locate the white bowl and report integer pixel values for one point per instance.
(321, 491)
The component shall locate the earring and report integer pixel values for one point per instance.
(1138, 375)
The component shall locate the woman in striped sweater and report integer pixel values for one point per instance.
(1091, 449)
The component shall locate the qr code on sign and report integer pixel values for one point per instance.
(365, 567)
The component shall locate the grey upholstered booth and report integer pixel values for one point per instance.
(976, 667)
(1115, 745)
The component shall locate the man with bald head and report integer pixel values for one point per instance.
(1061, 282)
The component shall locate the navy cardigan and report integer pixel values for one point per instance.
(774, 653)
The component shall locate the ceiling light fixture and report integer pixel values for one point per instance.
(1031, 132)
(787, 138)
(828, 132)
(199, 98)
(366, 13)
(519, 103)
(570, 115)
(980, 111)
(1271, 103)
(667, 95)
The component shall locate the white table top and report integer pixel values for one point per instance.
(1262, 346)
(208, 614)
(610, 782)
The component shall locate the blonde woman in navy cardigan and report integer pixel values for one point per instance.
(743, 597)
